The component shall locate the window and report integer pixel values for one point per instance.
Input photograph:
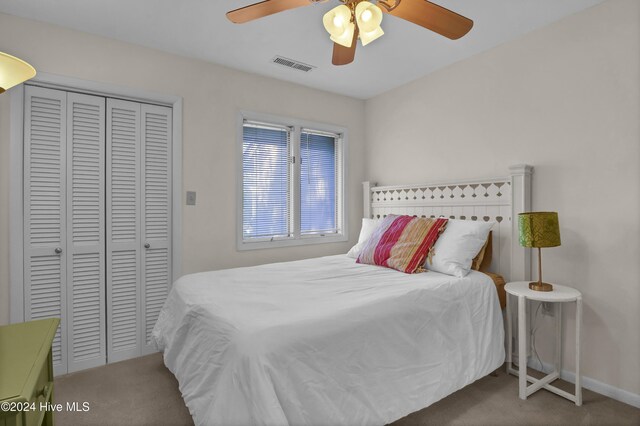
(265, 182)
(291, 183)
(318, 180)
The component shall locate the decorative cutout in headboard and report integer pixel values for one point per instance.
(495, 199)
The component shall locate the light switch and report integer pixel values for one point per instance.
(191, 198)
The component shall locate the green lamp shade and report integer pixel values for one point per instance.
(539, 229)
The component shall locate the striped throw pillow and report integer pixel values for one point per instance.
(402, 242)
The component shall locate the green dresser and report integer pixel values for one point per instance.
(26, 372)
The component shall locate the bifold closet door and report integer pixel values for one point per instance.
(156, 215)
(124, 243)
(64, 245)
(45, 134)
(85, 217)
(138, 224)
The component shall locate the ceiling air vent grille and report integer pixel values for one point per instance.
(290, 63)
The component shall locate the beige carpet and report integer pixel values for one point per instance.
(143, 392)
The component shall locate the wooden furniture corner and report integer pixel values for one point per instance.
(26, 373)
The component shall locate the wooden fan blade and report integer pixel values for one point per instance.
(432, 17)
(344, 55)
(264, 8)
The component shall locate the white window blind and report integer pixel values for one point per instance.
(266, 181)
(319, 182)
(291, 185)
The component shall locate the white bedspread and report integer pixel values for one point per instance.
(325, 341)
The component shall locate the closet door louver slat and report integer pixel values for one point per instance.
(45, 134)
(86, 229)
(156, 215)
(124, 292)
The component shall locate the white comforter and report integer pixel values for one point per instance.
(325, 341)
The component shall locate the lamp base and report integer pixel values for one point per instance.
(538, 286)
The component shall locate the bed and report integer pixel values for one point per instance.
(328, 341)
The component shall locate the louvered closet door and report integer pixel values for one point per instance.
(156, 215)
(44, 212)
(124, 243)
(86, 345)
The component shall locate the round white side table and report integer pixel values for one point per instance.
(560, 294)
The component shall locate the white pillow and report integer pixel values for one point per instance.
(455, 249)
(368, 226)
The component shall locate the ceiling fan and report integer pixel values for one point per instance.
(355, 19)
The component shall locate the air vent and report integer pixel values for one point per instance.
(290, 63)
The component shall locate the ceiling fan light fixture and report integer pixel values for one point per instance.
(369, 18)
(346, 38)
(338, 24)
(13, 71)
(367, 38)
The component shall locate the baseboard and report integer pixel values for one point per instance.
(591, 384)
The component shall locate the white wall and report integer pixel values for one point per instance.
(565, 99)
(213, 95)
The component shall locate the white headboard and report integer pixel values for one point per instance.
(496, 199)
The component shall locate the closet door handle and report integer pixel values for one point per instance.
(58, 250)
(147, 245)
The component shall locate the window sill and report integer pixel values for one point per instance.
(302, 241)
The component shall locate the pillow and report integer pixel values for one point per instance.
(368, 226)
(459, 244)
(483, 260)
(402, 242)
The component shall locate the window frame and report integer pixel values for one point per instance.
(296, 238)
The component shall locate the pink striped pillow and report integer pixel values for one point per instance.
(402, 242)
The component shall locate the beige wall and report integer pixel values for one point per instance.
(566, 100)
(213, 95)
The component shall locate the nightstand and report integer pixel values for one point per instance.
(26, 373)
(559, 295)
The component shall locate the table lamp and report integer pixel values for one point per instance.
(539, 229)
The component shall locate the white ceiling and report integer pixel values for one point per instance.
(199, 29)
